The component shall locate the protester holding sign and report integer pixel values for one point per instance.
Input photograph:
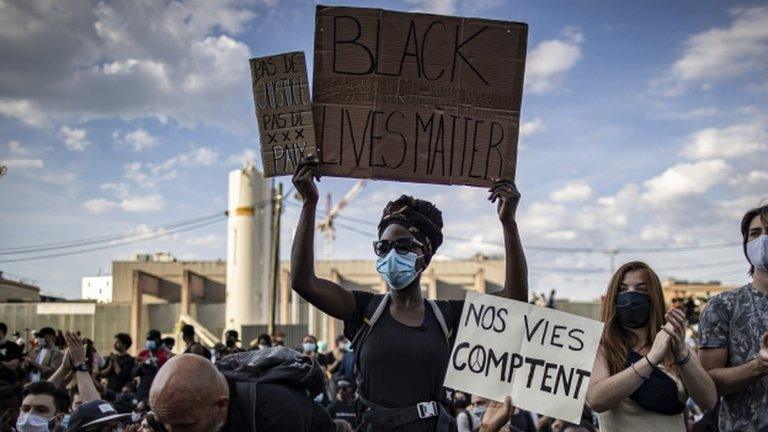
(644, 369)
(402, 343)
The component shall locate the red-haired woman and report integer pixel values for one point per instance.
(644, 371)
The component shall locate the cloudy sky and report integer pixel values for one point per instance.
(645, 130)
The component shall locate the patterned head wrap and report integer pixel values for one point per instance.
(421, 218)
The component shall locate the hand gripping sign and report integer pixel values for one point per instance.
(541, 357)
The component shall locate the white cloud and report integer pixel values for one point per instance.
(757, 177)
(441, 7)
(573, 191)
(692, 114)
(561, 235)
(146, 203)
(140, 139)
(24, 163)
(541, 217)
(100, 205)
(153, 202)
(531, 127)
(17, 148)
(731, 142)
(148, 174)
(75, 139)
(243, 158)
(204, 240)
(685, 179)
(94, 59)
(23, 110)
(58, 178)
(551, 59)
(720, 53)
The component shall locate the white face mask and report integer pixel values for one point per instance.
(29, 422)
(757, 252)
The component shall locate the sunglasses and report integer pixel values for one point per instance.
(402, 246)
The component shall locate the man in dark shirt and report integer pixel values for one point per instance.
(120, 364)
(344, 406)
(190, 391)
(231, 338)
(10, 357)
(193, 347)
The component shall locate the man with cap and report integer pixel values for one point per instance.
(97, 415)
(150, 360)
(193, 346)
(344, 406)
(231, 338)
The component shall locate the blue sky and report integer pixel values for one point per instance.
(645, 125)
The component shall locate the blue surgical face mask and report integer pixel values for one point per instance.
(309, 347)
(151, 345)
(757, 252)
(398, 270)
(29, 422)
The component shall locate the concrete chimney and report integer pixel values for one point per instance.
(248, 249)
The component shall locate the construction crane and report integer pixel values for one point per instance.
(326, 225)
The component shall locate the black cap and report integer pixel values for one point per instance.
(154, 335)
(232, 333)
(95, 412)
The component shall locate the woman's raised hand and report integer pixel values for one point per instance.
(675, 328)
(660, 347)
(508, 197)
(307, 171)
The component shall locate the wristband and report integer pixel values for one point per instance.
(649, 361)
(82, 367)
(685, 360)
(638, 373)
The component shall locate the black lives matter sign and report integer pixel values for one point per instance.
(283, 111)
(416, 97)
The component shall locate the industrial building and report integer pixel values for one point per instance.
(17, 289)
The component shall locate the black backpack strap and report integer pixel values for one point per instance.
(373, 312)
(447, 332)
(246, 400)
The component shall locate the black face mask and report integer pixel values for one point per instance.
(633, 309)
(230, 343)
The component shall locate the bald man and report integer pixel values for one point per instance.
(190, 394)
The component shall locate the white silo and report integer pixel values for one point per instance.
(248, 249)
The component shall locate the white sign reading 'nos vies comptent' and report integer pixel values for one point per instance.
(541, 357)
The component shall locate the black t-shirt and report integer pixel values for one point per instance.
(278, 408)
(341, 411)
(402, 365)
(523, 421)
(198, 349)
(115, 381)
(9, 351)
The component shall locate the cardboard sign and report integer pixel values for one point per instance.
(541, 357)
(417, 97)
(283, 111)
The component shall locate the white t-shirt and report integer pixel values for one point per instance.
(35, 376)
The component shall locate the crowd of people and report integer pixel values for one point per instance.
(654, 370)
